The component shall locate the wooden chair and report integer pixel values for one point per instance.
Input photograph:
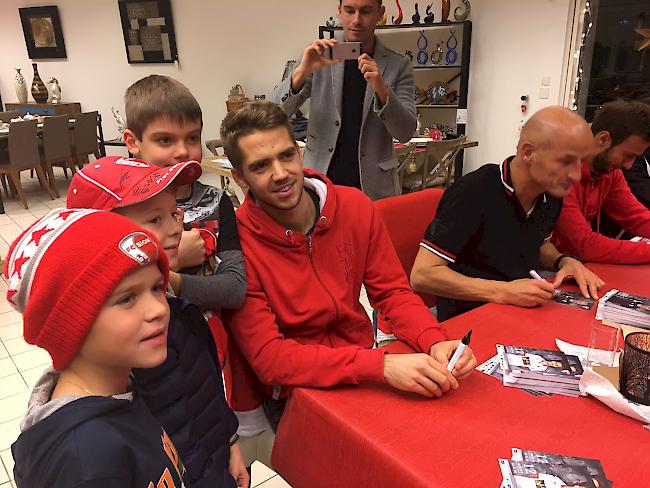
(213, 145)
(405, 154)
(8, 115)
(84, 137)
(23, 155)
(57, 149)
(434, 167)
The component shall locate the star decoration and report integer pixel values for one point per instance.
(646, 34)
(10, 296)
(64, 215)
(19, 263)
(38, 235)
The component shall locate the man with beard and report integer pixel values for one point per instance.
(494, 226)
(621, 133)
(309, 246)
(638, 177)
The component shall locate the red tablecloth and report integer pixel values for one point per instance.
(372, 436)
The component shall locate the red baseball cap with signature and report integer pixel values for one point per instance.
(113, 182)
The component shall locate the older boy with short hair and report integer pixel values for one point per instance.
(86, 424)
(164, 123)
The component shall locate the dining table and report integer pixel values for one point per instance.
(372, 435)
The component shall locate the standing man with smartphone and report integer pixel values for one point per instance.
(357, 105)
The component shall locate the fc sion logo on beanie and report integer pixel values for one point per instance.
(139, 247)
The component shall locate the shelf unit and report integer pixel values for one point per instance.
(401, 37)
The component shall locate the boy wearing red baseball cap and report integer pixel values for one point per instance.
(86, 424)
(185, 393)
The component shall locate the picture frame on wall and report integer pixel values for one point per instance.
(42, 31)
(148, 29)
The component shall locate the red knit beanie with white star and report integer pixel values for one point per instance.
(63, 268)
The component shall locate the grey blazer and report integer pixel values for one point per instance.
(396, 119)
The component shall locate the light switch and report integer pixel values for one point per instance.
(546, 81)
(544, 92)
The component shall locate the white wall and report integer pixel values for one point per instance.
(219, 44)
(515, 43)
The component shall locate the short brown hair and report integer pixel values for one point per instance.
(623, 119)
(256, 116)
(378, 2)
(159, 96)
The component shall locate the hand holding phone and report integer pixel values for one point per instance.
(345, 50)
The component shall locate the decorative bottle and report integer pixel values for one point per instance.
(39, 91)
(21, 87)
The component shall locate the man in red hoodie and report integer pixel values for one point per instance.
(309, 246)
(621, 133)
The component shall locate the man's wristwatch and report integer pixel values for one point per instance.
(556, 264)
(234, 439)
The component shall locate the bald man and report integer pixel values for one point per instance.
(494, 225)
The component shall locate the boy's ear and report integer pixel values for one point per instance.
(131, 141)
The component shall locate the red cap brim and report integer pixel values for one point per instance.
(180, 174)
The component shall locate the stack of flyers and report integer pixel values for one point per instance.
(540, 369)
(536, 469)
(492, 367)
(624, 308)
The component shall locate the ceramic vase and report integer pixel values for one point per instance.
(461, 13)
(21, 87)
(445, 10)
(398, 20)
(39, 91)
(55, 89)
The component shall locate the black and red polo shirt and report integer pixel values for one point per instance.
(483, 231)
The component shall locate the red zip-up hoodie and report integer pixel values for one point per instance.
(301, 323)
(589, 197)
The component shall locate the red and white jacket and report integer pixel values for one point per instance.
(588, 198)
(301, 323)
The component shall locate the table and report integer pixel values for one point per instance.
(374, 436)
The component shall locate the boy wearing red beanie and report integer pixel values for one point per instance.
(184, 393)
(86, 424)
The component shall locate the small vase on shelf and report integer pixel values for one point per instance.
(39, 91)
(21, 87)
(460, 13)
(416, 15)
(445, 10)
